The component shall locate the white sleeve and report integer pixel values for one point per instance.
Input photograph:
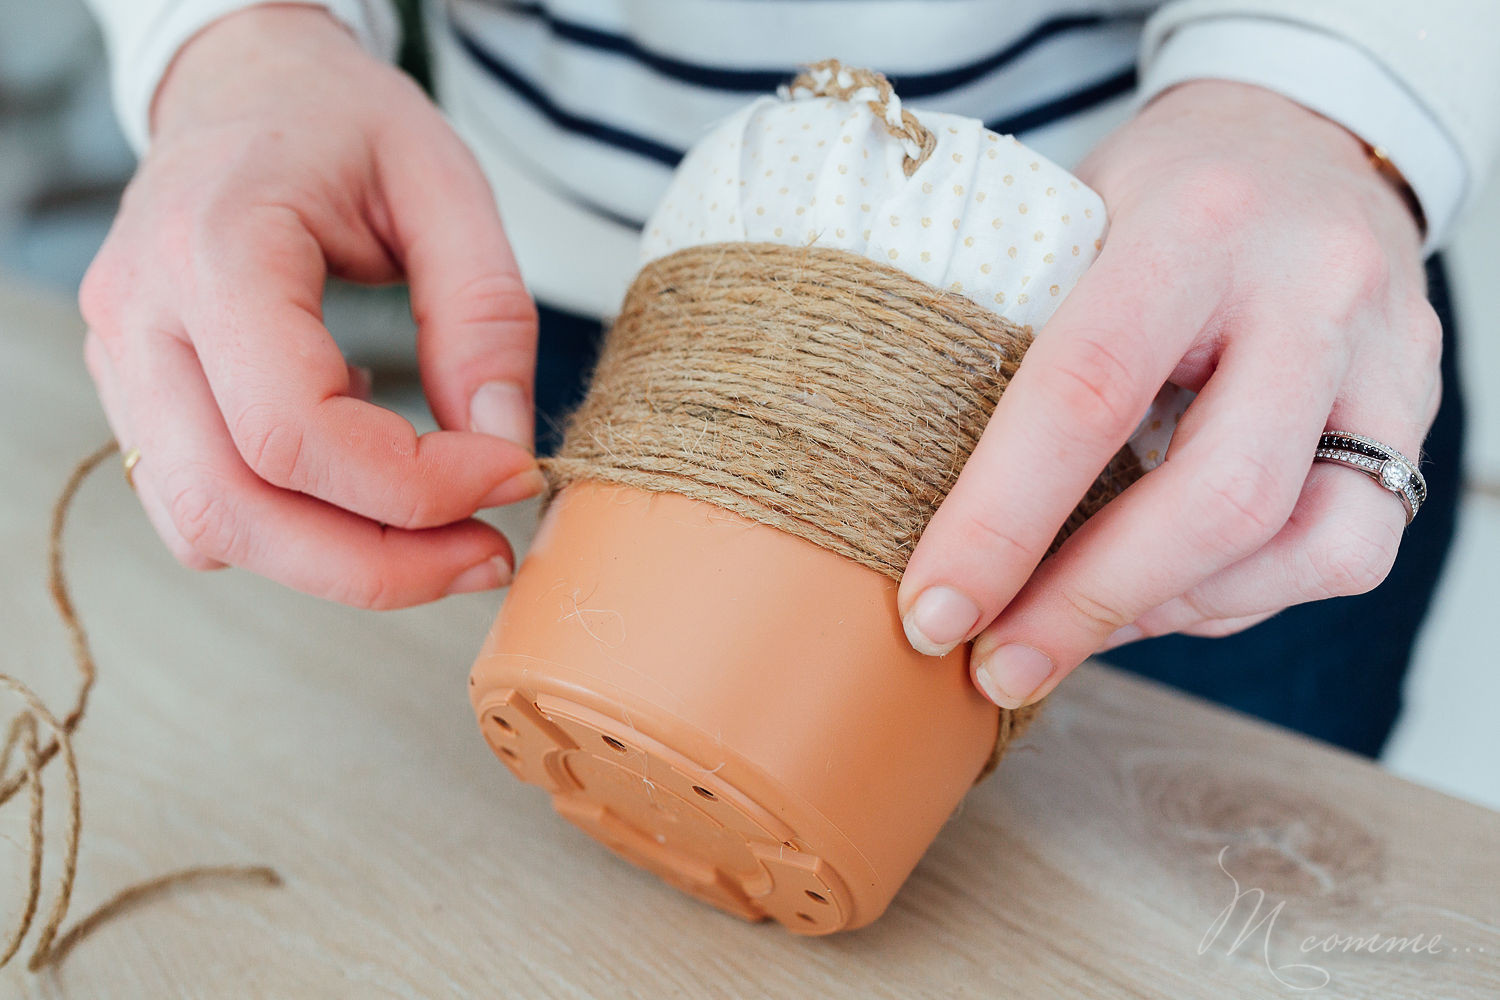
(143, 37)
(1419, 81)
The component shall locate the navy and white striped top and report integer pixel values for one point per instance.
(580, 109)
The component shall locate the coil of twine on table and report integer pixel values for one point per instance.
(23, 734)
(811, 390)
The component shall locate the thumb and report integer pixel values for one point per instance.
(476, 324)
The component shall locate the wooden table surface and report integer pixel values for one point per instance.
(238, 722)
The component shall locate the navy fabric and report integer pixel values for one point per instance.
(1111, 85)
(765, 81)
(566, 348)
(1332, 669)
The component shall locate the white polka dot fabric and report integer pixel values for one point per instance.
(984, 216)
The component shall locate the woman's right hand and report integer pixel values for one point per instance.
(282, 152)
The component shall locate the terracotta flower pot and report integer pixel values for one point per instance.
(727, 705)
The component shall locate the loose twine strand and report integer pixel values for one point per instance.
(809, 389)
(831, 78)
(22, 734)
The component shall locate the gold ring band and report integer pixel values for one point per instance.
(129, 461)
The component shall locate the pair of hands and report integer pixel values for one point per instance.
(1254, 256)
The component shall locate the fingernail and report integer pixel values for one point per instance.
(939, 620)
(501, 409)
(522, 486)
(1122, 635)
(1012, 674)
(488, 575)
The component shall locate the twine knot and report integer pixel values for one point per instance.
(831, 78)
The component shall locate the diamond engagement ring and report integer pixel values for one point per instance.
(1392, 470)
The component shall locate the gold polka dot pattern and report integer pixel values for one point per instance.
(797, 166)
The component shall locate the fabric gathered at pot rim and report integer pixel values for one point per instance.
(983, 216)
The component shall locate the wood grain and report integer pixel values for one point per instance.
(238, 722)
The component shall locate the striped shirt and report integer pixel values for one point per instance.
(579, 109)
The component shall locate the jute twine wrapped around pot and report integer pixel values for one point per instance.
(811, 390)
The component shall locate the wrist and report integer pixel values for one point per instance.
(1393, 176)
(1369, 90)
(237, 56)
(1246, 120)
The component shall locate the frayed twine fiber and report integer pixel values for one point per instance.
(811, 390)
(23, 734)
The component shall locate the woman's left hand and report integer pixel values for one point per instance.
(1254, 256)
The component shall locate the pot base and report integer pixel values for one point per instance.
(664, 811)
(728, 706)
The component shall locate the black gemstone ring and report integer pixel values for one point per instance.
(1392, 470)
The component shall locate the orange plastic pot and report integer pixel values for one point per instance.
(728, 706)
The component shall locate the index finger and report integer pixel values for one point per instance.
(1079, 393)
(476, 324)
(283, 388)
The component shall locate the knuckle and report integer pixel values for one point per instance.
(1194, 602)
(95, 355)
(423, 511)
(1357, 267)
(1425, 322)
(203, 515)
(1428, 410)
(1349, 560)
(1215, 196)
(492, 296)
(99, 295)
(980, 530)
(1101, 616)
(372, 591)
(497, 289)
(271, 445)
(1237, 505)
(190, 558)
(411, 510)
(1092, 385)
(1420, 385)
(1426, 334)
(1218, 628)
(1355, 248)
(197, 229)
